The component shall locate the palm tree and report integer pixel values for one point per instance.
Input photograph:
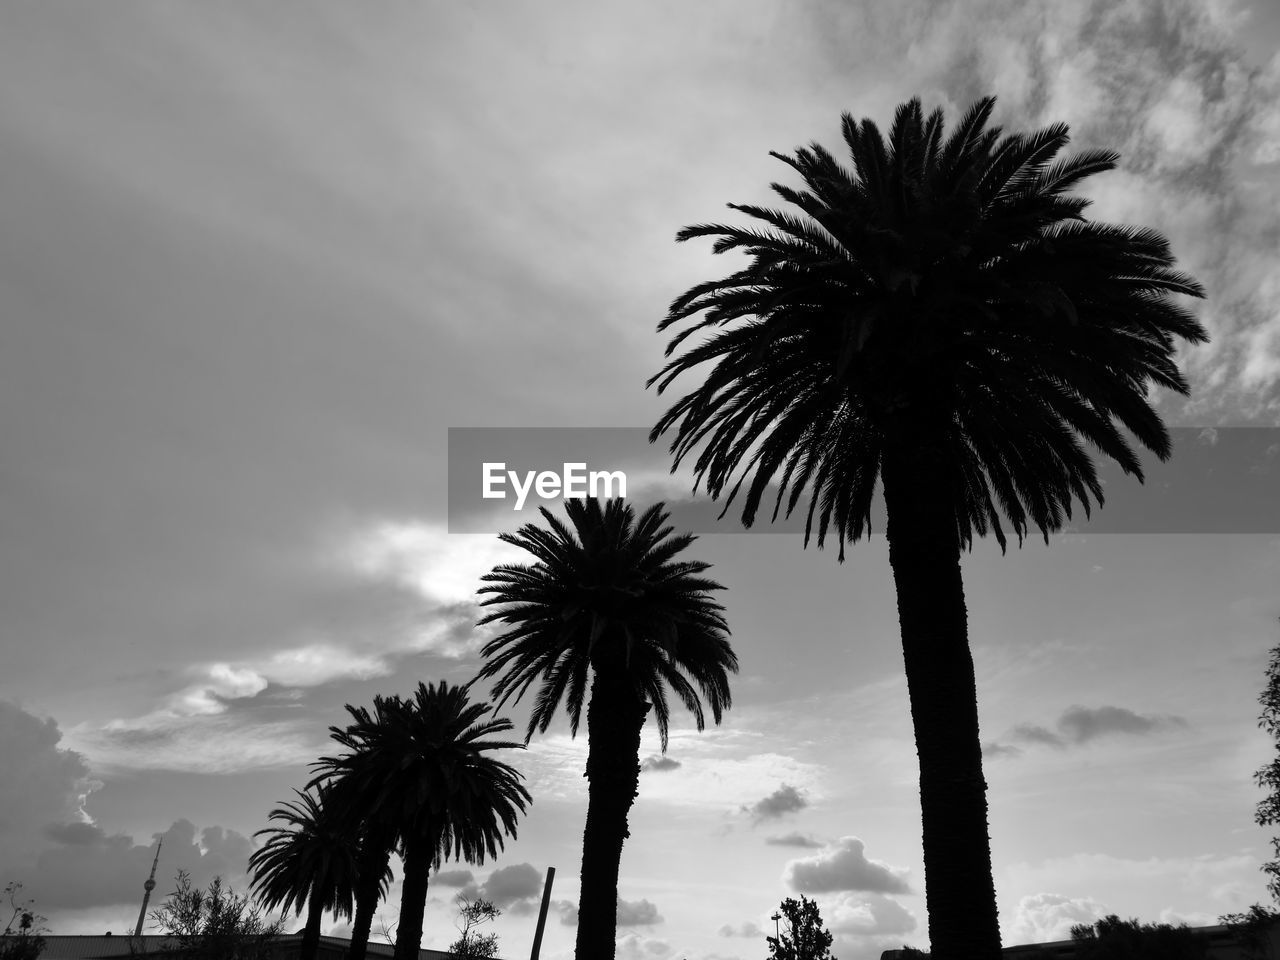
(376, 842)
(419, 769)
(946, 319)
(311, 863)
(609, 598)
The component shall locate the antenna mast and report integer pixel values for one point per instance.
(148, 887)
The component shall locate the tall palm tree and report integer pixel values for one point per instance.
(607, 598)
(943, 318)
(421, 765)
(376, 842)
(310, 863)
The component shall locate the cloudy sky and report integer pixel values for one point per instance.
(258, 259)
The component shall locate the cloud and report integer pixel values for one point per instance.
(223, 743)
(870, 915)
(747, 929)
(453, 878)
(633, 946)
(1033, 733)
(659, 764)
(44, 786)
(1220, 881)
(66, 859)
(1080, 725)
(637, 913)
(89, 868)
(1044, 917)
(568, 911)
(443, 568)
(516, 889)
(991, 750)
(794, 839)
(786, 799)
(843, 866)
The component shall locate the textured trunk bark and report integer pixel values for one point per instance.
(413, 897)
(615, 715)
(373, 864)
(924, 551)
(310, 946)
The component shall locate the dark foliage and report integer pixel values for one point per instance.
(804, 938)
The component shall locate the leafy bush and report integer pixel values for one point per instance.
(1114, 939)
(217, 924)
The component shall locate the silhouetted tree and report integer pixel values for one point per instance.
(805, 937)
(22, 938)
(608, 599)
(217, 924)
(944, 319)
(310, 864)
(375, 834)
(422, 765)
(1252, 926)
(472, 945)
(1114, 939)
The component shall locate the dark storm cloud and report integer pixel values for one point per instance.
(516, 889)
(786, 799)
(100, 870)
(843, 867)
(76, 834)
(43, 787)
(658, 764)
(793, 840)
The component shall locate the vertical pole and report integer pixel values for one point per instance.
(542, 914)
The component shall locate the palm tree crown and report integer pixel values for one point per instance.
(609, 588)
(310, 861)
(421, 764)
(947, 292)
(418, 769)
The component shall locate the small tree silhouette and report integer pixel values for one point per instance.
(25, 942)
(805, 937)
(472, 945)
(1251, 927)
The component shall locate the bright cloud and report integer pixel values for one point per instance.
(442, 567)
(1045, 917)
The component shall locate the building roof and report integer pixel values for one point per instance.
(96, 947)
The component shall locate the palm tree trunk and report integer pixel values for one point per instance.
(418, 857)
(373, 864)
(310, 946)
(615, 715)
(924, 552)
